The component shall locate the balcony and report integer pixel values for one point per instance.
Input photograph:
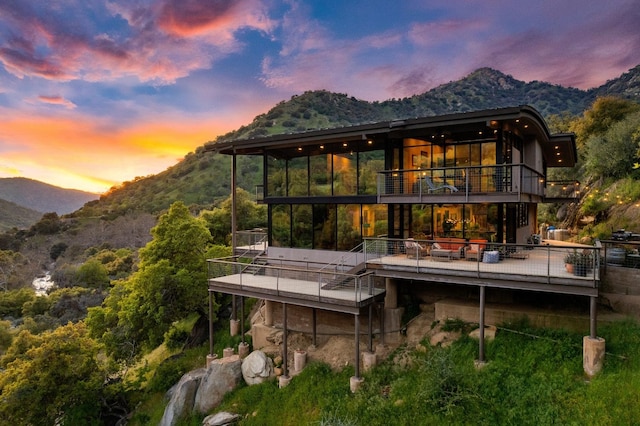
(477, 184)
(331, 287)
(513, 266)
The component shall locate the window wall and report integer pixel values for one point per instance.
(455, 220)
(326, 226)
(336, 169)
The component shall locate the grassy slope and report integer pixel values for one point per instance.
(533, 377)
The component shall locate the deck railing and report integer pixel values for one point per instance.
(544, 261)
(508, 178)
(306, 279)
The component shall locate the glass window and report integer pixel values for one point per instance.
(298, 176)
(324, 226)
(276, 177)
(281, 225)
(374, 220)
(370, 163)
(302, 226)
(349, 235)
(344, 174)
(421, 221)
(320, 174)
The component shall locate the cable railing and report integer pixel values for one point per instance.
(506, 178)
(545, 263)
(293, 278)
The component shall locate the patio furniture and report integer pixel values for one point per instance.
(491, 256)
(456, 245)
(441, 254)
(431, 187)
(475, 249)
(414, 249)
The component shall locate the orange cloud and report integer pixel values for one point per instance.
(79, 153)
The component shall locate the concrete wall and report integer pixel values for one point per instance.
(621, 280)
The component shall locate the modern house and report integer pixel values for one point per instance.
(359, 217)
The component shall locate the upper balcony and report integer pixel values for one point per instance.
(473, 184)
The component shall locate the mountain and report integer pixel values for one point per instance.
(42, 197)
(15, 216)
(201, 178)
(484, 88)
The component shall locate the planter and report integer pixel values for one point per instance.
(616, 256)
(569, 267)
(580, 270)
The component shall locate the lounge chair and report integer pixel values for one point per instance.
(431, 187)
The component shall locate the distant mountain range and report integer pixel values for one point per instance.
(32, 198)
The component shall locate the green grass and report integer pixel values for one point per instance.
(533, 377)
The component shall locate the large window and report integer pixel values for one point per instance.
(335, 169)
(302, 220)
(298, 176)
(281, 225)
(320, 174)
(276, 176)
(324, 226)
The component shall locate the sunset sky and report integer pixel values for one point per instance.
(97, 92)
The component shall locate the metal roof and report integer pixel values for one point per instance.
(559, 150)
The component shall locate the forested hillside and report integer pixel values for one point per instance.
(203, 179)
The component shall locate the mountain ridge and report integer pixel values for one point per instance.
(43, 197)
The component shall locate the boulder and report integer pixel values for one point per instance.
(221, 419)
(489, 333)
(182, 396)
(222, 376)
(257, 367)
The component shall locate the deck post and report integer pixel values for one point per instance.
(593, 317)
(314, 320)
(357, 340)
(242, 319)
(356, 381)
(211, 356)
(285, 370)
(481, 326)
(370, 327)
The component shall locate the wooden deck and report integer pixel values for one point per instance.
(538, 269)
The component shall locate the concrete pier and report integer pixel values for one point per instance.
(299, 360)
(593, 351)
(369, 360)
(234, 327)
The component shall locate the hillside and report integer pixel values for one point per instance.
(15, 216)
(203, 179)
(42, 197)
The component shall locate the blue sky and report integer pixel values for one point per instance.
(95, 92)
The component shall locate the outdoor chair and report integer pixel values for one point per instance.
(475, 250)
(414, 250)
(431, 187)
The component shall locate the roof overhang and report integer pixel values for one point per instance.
(558, 150)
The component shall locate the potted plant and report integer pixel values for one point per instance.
(570, 260)
(583, 263)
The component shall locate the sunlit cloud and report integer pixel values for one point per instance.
(57, 100)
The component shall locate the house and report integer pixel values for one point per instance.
(357, 215)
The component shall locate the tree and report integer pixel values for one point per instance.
(613, 152)
(54, 378)
(93, 274)
(169, 284)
